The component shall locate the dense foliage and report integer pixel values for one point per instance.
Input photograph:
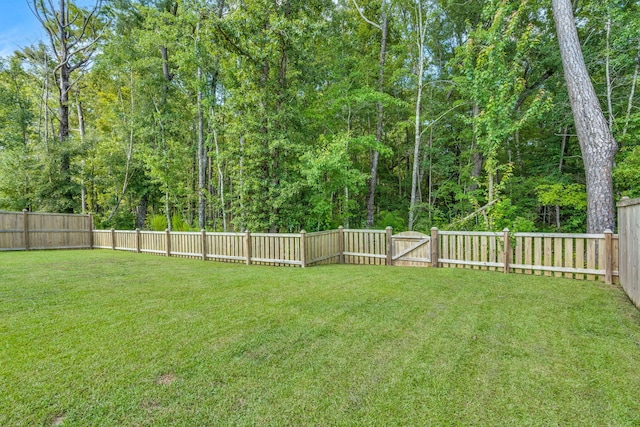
(262, 115)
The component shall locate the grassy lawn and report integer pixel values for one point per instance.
(101, 338)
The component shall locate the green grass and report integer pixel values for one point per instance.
(101, 338)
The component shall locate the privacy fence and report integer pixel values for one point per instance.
(629, 226)
(24, 230)
(577, 256)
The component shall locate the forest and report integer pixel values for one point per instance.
(282, 115)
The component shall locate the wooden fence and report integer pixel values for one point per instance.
(300, 249)
(25, 230)
(576, 256)
(629, 227)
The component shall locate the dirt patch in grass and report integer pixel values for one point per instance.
(166, 379)
(58, 420)
(150, 405)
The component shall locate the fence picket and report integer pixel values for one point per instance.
(537, 244)
(492, 251)
(519, 249)
(548, 254)
(600, 252)
(568, 256)
(467, 250)
(591, 257)
(579, 261)
(528, 253)
(484, 254)
(557, 255)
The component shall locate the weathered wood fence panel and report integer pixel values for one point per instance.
(58, 231)
(12, 236)
(153, 242)
(365, 247)
(102, 239)
(323, 247)
(186, 244)
(267, 249)
(125, 241)
(629, 229)
(225, 247)
(276, 249)
(33, 230)
(575, 256)
(467, 249)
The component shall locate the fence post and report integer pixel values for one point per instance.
(435, 248)
(507, 250)
(303, 248)
(341, 245)
(168, 241)
(247, 246)
(113, 239)
(389, 231)
(204, 244)
(25, 228)
(138, 240)
(90, 231)
(608, 257)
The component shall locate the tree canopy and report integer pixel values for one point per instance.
(279, 115)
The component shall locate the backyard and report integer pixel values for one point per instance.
(106, 338)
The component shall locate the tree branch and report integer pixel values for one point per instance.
(476, 212)
(364, 17)
(530, 88)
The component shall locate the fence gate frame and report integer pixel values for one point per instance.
(405, 245)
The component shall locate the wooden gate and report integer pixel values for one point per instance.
(411, 248)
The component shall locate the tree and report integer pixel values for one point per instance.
(384, 29)
(18, 177)
(420, 34)
(596, 141)
(497, 82)
(73, 35)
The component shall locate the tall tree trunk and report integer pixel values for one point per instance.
(607, 66)
(379, 128)
(418, 132)
(73, 49)
(429, 158)
(241, 183)
(478, 158)
(46, 106)
(563, 145)
(220, 182)
(634, 81)
(416, 160)
(81, 129)
(63, 132)
(141, 215)
(596, 142)
(64, 71)
(202, 160)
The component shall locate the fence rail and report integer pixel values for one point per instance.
(576, 256)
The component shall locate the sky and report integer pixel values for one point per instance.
(18, 26)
